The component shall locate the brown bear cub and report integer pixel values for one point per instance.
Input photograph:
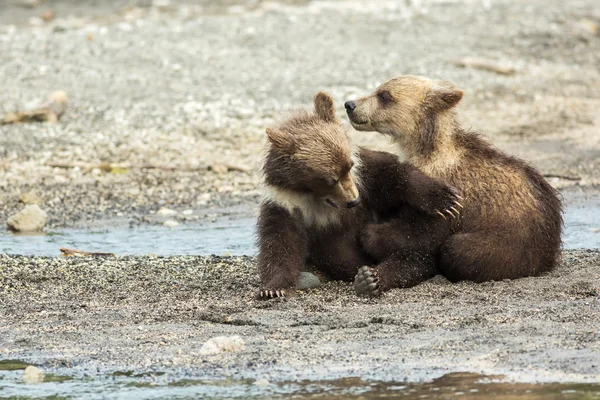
(512, 219)
(321, 192)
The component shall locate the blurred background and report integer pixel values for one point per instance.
(168, 100)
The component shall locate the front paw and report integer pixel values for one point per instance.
(366, 282)
(266, 294)
(444, 201)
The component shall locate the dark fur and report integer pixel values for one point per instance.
(402, 199)
(406, 239)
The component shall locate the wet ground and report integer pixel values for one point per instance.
(159, 385)
(223, 236)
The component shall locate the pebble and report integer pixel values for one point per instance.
(188, 212)
(306, 280)
(170, 223)
(219, 168)
(166, 211)
(262, 382)
(30, 198)
(33, 375)
(222, 344)
(30, 219)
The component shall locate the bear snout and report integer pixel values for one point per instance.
(353, 203)
(350, 106)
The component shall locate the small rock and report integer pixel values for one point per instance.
(166, 211)
(47, 16)
(187, 212)
(262, 382)
(306, 280)
(219, 168)
(30, 198)
(125, 27)
(35, 21)
(33, 375)
(589, 26)
(30, 219)
(222, 344)
(225, 188)
(170, 223)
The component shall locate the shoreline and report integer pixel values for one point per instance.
(97, 316)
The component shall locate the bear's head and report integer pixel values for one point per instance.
(407, 108)
(310, 153)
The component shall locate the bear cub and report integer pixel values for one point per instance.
(512, 219)
(321, 192)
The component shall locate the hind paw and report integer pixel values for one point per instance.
(366, 282)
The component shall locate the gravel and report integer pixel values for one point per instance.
(194, 84)
(81, 316)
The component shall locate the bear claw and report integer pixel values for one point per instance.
(271, 294)
(366, 282)
(452, 207)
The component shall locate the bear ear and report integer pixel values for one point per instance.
(282, 140)
(445, 95)
(324, 107)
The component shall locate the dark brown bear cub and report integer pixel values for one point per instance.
(321, 192)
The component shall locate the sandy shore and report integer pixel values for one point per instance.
(153, 314)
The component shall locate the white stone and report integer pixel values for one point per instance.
(30, 198)
(33, 375)
(170, 223)
(166, 211)
(30, 219)
(222, 344)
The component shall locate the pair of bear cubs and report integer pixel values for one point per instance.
(456, 206)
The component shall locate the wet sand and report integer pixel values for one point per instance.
(153, 314)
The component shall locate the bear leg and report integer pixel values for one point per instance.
(402, 270)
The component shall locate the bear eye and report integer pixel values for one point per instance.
(384, 96)
(332, 181)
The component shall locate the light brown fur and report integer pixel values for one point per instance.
(503, 196)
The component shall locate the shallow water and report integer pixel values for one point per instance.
(223, 237)
(226, 236)
(157, 385)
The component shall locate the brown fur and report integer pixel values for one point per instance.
(512, 221)
(314, 179)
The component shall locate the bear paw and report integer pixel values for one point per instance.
(453, 206)
(444, 201)
(266, 294)
(366, 282)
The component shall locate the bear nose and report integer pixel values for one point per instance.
(350, 105)
(353, 203)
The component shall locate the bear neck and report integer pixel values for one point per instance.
(441, 154)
